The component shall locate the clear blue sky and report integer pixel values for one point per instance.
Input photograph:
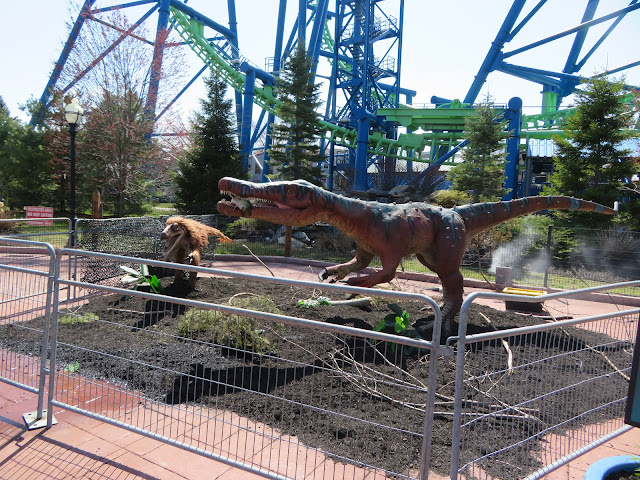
(445, 42)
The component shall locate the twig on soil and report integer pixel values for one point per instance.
(256, 257)
(354, 302)
(505, 406)
(135, 312)
(606, 359)
(505, 344)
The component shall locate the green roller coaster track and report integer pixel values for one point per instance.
(440, 126)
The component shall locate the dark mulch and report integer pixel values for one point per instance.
(622, 476)
(123, 335)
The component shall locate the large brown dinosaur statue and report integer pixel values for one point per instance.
(184, 239)
(437, 236)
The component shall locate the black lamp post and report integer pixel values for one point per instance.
(73, 112)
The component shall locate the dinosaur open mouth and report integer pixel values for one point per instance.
(170, 247)
(246, 204)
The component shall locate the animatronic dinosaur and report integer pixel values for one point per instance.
(438, 236)
(185, 238)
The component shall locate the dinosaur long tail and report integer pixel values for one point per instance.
(482, 216)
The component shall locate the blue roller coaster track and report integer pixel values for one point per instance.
(369, 122)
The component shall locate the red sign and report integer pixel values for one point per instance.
(39, 212)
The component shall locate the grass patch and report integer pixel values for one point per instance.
(77, 319)
(233, 331)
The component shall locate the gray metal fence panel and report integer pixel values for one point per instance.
(172, 380)
(55, 231)
(530, 399)
(25, 311)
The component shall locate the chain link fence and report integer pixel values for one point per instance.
(548, 257)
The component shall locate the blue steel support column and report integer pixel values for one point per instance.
(233, 26)
(315, 41)
(364, 123)
(247, 110)
(302, 21)
(277, 60)
(362, 146)
(158, 52)
(514, 115)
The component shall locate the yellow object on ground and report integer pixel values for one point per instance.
(523, 291)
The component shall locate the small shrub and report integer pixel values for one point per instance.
(77, 319)
(450, 198)
(6, 227)
(244, 224)
(233, 331)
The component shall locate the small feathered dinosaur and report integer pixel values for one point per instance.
(185, 238)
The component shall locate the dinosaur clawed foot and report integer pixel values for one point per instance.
(324, 274)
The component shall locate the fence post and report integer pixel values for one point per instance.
(546, 268)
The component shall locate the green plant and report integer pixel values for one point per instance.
(72, 367)
(75, 319)
(396, 322)
(310, 303)
(140, 277)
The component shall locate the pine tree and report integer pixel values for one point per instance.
(215, 153)
(296, 152)
(590, 162)
(482, 171)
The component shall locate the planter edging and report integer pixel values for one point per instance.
(600, 469)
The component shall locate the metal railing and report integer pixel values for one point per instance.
(26, 292)
(198, 402)
(522, 392)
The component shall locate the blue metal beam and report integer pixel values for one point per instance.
(525, 20)
(602, 38)
(64, 56)
(495, 51)
(277, 60)
(578, 41)
(122, 5)
(184, 89)
(513, 114)
(575, 29)
(206, 21)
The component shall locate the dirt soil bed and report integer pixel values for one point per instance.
(230, 380)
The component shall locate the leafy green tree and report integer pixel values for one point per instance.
(481, 172)
(591, 162)
(214, 154)
(295, 151)
(24, 163)
(117, 154)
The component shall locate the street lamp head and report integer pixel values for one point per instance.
(73, 112)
